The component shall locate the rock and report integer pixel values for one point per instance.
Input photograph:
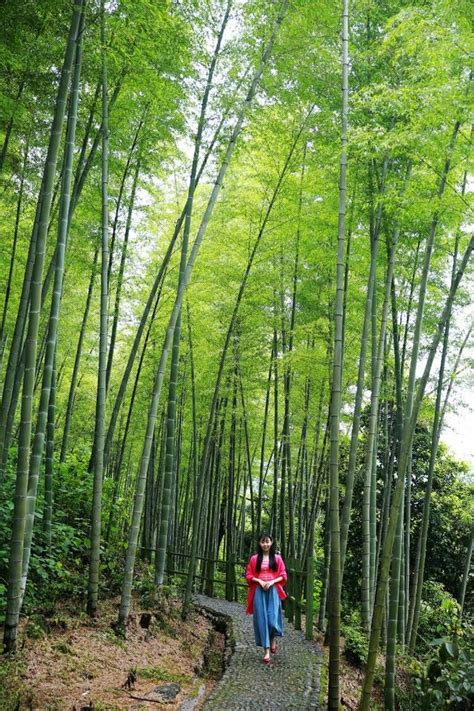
(165, 693)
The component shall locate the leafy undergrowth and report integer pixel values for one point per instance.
(68, 661)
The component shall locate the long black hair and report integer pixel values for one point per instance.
(272, 564)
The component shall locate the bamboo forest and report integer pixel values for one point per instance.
(236, 304)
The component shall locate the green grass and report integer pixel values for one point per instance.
(159, 674)
(64, 648)
(13, 690)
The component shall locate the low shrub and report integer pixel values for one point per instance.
(440, 616)
(447, 678)
(356, 646)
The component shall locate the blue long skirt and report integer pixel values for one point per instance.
(267, 617)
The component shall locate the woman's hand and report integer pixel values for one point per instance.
(268, 584)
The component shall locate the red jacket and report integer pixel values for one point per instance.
(251, 572)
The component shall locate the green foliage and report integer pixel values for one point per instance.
(56, 571)
(35, 628)
(161, 674)
(64, 648)
(439, 615)
(408, 86)
(355, 641)
(447, 678)
(451, 502)
(147, 587)
(14, 691)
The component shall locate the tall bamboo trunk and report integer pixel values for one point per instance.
(347, 506)
(231, 492)
(123, 258)
(466, 572)
(407, 436)
(414, 611)
(235, 133)
(171, 407)
(276, 431)
(12, 375)
(335, 561)
(99, 434)
(369, 542)
(77, 358)
(9, 127)
(52, 327)
(149, 303)
(49, 462)
(13, 253)
(247, 456)
(19, 515)
(396, 577)
(262, 448)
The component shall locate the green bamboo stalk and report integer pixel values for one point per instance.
(405, 544)
(413, 617)
(335, 411)
(52, 328)
(229, 526)
(118, 203)
(13, 252)
(49, 462)
(276, 457)
(309, 591)
(262, 448)
(347, 506)
(466, 572)
(138, 502)
(370, 469)
(99, 433)
(325, 581)
(407, 436)
(149, 303)
(235, 133)
(162, 537)
(9, 126)
(12, 375)
(19, 515)
(247, 455)
(123, 258)
(389, 689)
(77, 358)
(85, 164)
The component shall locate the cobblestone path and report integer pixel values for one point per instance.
(290, 681)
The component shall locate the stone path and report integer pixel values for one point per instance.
(290, 681)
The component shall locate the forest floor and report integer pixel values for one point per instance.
(70, 662)
(351, 679)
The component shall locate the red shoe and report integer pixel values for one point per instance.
(274, 650)
(266, 660)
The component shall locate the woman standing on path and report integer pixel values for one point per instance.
(266, 575)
